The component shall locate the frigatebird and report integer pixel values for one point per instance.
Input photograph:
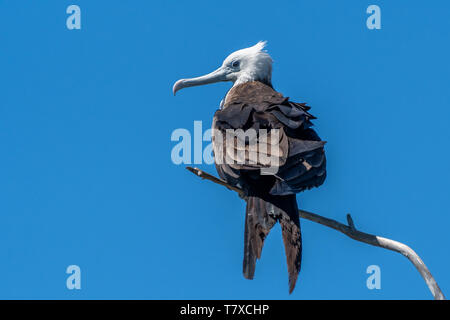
(253, 104)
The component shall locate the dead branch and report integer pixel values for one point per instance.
(350, 231)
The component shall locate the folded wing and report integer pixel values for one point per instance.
(258, 132)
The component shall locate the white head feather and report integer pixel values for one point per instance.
(250, 64)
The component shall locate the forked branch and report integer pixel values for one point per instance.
(350, 231)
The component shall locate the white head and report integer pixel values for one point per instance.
(250, 64)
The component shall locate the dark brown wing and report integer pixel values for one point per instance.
(300, 156)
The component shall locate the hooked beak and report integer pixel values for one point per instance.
(215, 76)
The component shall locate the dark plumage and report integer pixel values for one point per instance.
(270, 198)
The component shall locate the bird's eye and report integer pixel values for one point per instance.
(235, 64)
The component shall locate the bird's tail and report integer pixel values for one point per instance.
(261, 215)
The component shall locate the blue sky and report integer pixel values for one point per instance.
(86, 176)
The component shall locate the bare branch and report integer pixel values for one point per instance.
(350, 222)
(351, 232)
